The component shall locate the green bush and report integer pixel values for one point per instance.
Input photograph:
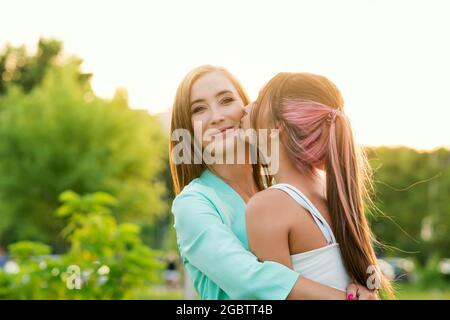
(106, 260)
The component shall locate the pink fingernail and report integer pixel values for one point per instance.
(350, 297)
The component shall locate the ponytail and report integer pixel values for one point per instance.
(348, 182)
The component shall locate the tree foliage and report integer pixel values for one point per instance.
(56, 135)
(413, 193)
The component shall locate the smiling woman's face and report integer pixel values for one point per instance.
(215, 105)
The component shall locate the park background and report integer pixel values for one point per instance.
(85, 95)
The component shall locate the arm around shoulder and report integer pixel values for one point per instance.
(211, 246)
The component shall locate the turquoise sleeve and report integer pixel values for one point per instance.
(211, 246)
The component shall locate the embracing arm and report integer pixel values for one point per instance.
(212, 247)
(268, 237)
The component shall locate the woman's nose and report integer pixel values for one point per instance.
(216, 117)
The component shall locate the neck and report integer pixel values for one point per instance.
(239, 177)
(289, 173)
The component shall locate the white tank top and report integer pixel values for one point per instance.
(323, 265)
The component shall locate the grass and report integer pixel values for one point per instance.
(413, 292)
(158, 293)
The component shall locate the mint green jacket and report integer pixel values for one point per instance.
(212, 240)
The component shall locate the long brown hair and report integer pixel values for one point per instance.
(183, 174)
(318, 134)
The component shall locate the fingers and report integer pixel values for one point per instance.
(352, 291)
(359, 292)
(365, 294)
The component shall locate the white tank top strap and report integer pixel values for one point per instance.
(303, 201)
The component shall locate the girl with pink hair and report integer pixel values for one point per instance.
(313, 218)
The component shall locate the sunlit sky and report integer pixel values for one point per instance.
(391, 59)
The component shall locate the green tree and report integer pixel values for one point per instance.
(413, 193)
(160, 233)
(60, 136)
(19, 68)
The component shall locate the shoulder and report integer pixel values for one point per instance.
(272, 206)
(194, 195)
(264, 199)
(195, 190)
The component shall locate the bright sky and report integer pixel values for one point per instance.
(391, 59)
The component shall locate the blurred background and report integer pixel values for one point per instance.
(85, 95)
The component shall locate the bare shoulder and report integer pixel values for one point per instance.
(272, 205)
(264, 200)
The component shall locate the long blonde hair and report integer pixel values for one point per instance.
(183, 174)
(310, 109)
